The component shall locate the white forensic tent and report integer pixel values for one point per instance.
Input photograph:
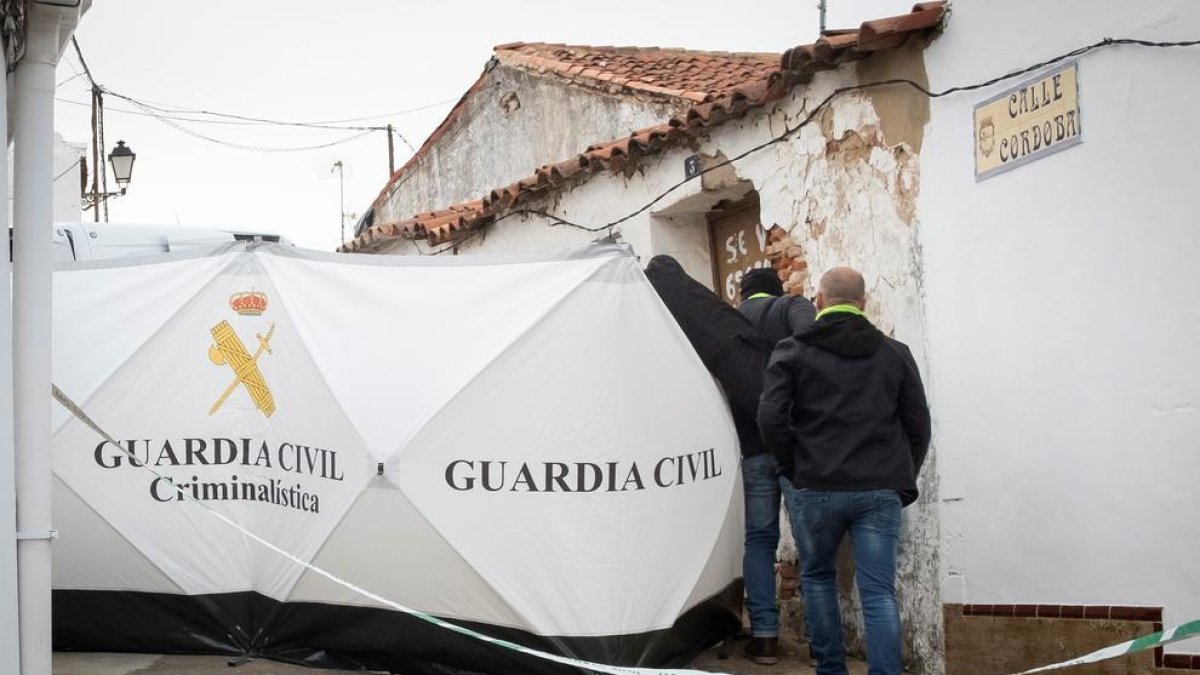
(528, 446)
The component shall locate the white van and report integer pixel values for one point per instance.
(97, 241)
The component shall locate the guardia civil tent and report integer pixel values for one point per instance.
(528, 447)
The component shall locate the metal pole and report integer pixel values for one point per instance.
(9, 631)
(821, 7)
(341, 198)
(96, 152)
(33, 140)
(391, 153)
(102, 167)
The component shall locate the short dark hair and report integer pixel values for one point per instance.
(762, 280)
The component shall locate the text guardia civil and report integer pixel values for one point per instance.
(299, 463)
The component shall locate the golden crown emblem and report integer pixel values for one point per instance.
(249, 303)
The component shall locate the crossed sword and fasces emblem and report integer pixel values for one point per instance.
(228, 349)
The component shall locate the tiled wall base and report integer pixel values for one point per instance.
(989, 639)
(1188, 661)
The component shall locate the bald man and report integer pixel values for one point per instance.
(844, 412)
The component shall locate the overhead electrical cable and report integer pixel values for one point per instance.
(172, 116)
(243, 118)
(86, 71)
(168, 107)
(69, 79)
(177, 118)
(67, 170)
(252, 148)
(403, 139)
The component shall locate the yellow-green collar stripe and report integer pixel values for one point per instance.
(760, 295)
(841, 309)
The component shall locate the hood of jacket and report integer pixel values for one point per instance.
(847, 335)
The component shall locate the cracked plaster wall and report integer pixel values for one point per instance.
(844, 189)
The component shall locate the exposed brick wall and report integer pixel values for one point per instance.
(787, 258)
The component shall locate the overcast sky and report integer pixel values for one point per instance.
(310, 60)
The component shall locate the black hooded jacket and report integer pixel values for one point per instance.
(729, 345)
(843, 409)
(779, 317)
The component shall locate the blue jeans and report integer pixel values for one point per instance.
(760, 485)
(820, 520)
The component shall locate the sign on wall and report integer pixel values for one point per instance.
(1035, 119)
(739, 245)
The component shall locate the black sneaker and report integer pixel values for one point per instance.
(763, 650)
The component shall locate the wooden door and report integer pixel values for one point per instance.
(739, 245)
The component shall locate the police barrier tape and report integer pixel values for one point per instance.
(1175, 634)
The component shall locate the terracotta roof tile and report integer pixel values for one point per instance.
(671, 73)
(891, 32)
(722, 87)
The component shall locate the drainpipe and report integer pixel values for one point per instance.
(47, 30)
(9, 634)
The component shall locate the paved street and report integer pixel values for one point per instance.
(793, 660)
(82, 663)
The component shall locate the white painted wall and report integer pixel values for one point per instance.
(684, 237)
(1063, 321)
(66, 184)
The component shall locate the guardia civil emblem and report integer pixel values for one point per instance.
(229, 350)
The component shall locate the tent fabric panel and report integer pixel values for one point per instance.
(111, 562)
(422, 570)
(420, 346)
(581, 389)
(725, 561)
(123, 307)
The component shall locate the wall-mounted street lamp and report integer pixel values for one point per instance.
(121, 158)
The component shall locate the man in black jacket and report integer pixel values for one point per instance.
(777, 317)
(844, 412)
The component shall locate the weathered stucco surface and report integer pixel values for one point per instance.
(845, 190)
(903, 112)
(515, 122)
(842, 191)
